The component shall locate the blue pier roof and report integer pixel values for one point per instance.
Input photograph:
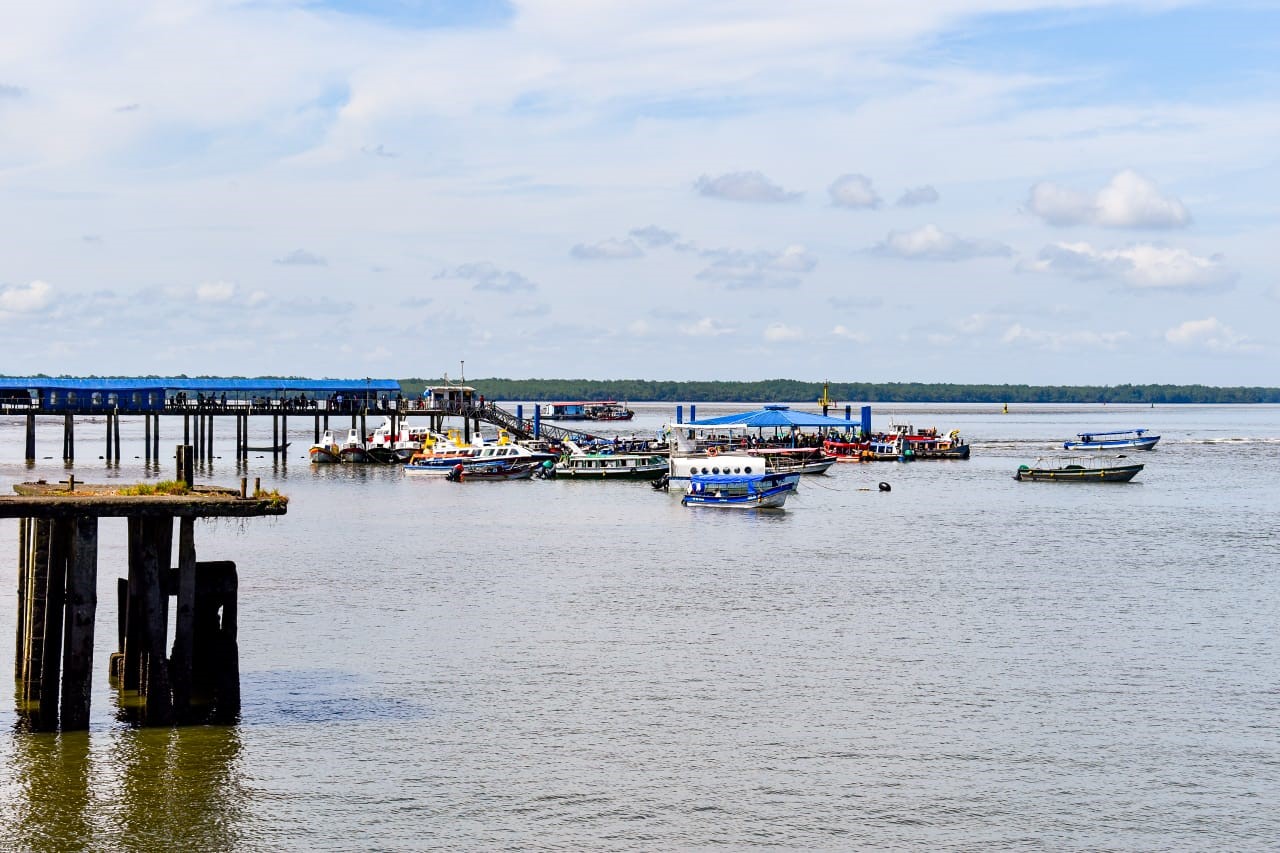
(206, 384)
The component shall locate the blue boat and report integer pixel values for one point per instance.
(1123, 439)
(740, 491)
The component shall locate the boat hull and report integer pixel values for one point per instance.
(1116, 474)
(324, 456)
(353, 454)
(1146, 443)
(772, 499)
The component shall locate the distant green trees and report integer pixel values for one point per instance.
(768, 390)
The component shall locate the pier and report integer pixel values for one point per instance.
(197, 679)
(203, 407)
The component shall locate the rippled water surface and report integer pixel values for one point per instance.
(964, 662)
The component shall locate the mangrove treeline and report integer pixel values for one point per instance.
(767, 390)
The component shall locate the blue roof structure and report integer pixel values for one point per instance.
(773, 416)
(207, 384)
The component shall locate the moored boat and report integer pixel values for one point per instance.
(326, 450)
(1123, 439)
(609, 410)
(607, 465)
(353, 449)
(491, 471)
(1080, 469)
(739, 491)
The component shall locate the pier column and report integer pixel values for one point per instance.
(155, 438)
(153, 552)
(239, 437)
(25, 526)
(146, 439)
(68, 438)
(186, 429)
(116, 420)
(209, 456)
(185, 625)
(364, 430)
(284, 438)
(317, 438)
(82, 605)
(107, 452)
(275, 437)
(31, 437)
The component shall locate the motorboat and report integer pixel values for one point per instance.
(1080, 469)
(739, 491)
(353, 449)
(491, 471)
(326, 450)
(605, 464)
(439, 456)
(1124, 439)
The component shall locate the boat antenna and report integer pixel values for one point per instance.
(463, 380)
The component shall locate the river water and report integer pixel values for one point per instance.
(964, 662)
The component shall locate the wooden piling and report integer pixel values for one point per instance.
(146, 440)
(82, 605)
(155, 439)
(131, 667)
(239, 437)
(184, 630)
(185, 455)
(31, 437)
(186, 429)
(317, 438)
(284, 438)
(34, 603)
(115, 419)
(24, 554)
(154, 554)
(68, 439)
(209, 433)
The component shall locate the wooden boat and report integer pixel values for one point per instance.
(739, 491)
(270, 448)
(1123, 439)
(1080, 469)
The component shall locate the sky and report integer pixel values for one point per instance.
(986, 191)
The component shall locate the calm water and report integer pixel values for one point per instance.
(965, 662)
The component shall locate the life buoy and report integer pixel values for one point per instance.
(713, 451)
(884, 487)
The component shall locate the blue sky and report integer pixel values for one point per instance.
(1081, 191)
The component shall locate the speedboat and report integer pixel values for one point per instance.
(739, 491)
(486, 471)
(326, 450)
(608, 465)
(353, 449)
(439, 456)
(1080, 469)
(1123, 439)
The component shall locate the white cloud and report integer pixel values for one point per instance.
(1075, 340)
(257, 297)
(610, 249)
(487, 276)
(777, 333)
(638, 328)
(1128, 201)
(707, 327)
(739, 270)
(215, 291)
(301, 257)
(1141, 266)
(31, 299)
(1208, 334)
(842, 332)
(744, 186)
(917, 196)
(653, 237)
(931, 243)
(853, 191)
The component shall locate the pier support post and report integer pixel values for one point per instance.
(82, 605)
(185, 456)
(317, 438)
(209, 434)
(284, 438)
(185, 624)
(153, 552)
(31, 437)
(364, 430)
(146, 439)
(239, 437)
(275, 437)
(25, 526)
(186, 429)
(115, 420)
(46, 717)
(68, 439)
(155, 438)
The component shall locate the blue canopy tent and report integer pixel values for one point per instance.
(778, 417)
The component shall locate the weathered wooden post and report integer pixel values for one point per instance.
(82, 605)
(186, 428)
(364, 429)
(155, 438)
(275, 437)
(24, 555)
(115, 420)
(283, 443)
(184, 626)
(317, 438)
(146, 438)
(209, 455)
(239, 437)
(31, 437)
(68, 438)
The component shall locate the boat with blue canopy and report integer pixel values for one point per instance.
(740, 491)
(1123, 439)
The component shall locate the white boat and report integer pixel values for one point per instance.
(1123, 439)
(353, 449)
(608, 465)
(326, 450)
(400, 446)
(688, 456)
(739, 491)
(440, 455)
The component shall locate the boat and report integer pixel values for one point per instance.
(739, 491)
(608, 465)
(269, 448)
(353, 449)
(564, 411)
(439, 456)
(1123, 439)
(903, 444)
(491, 471)
(326, 450)
(1080, 469)
(609, 410)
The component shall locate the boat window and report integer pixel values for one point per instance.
(737, 470)
(746, 470)
(705, 471)
(715, 470)
(53, 398)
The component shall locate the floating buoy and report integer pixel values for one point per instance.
(885, 487)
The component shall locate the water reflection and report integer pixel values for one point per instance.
(126, 789)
